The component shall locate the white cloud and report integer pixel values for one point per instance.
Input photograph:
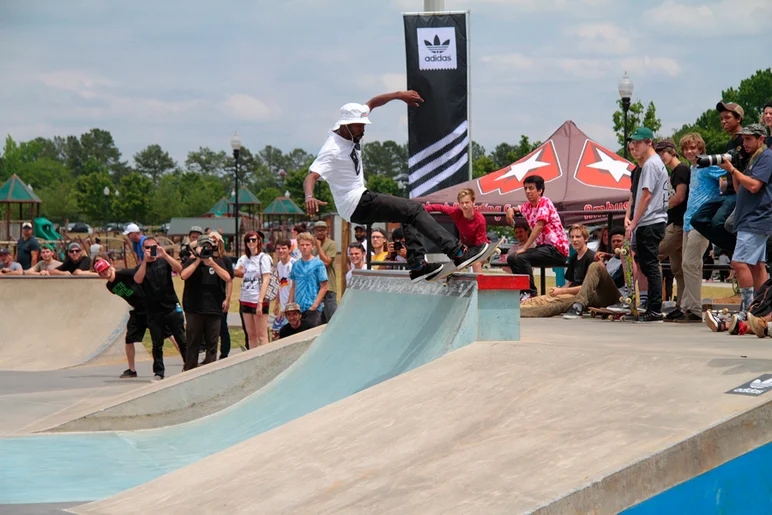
(385, 81)
(603, 38)
(585, 68)
(704, 18)
(651, 65)
(250, 108)
(515, 61)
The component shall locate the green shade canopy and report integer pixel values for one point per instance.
(222, 207)
(246, 197)
(283, 206)
(15, 191)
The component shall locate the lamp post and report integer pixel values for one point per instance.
(106, 191)
(626, 92)
(236, 146)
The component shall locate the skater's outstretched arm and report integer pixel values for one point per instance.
(312, 204)
(411, 98)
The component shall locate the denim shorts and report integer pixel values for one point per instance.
(751, 248)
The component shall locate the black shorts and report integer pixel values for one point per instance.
(136, 327)
(249, 310)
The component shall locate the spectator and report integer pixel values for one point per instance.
(470, 223)
(164, 314)
(380, 247)
(547, 233)
(8, 265)
(295, 320)
(255, 266)
(47, 265)
(194, 233)
(603, 240)
(649, 220)
(95, 249)
(283, 269)
(309, 281)
(754, 212)
(766, 119)
(360, 236)
(27, 248)
(326, 249)
(225, 335)
(356, 252)
(294, 250)
(561, 299)
(521, 237)
(207, 231)
(396, 247)
(603, 284)
(710, 219)
(136, 239)
(205, 279)
(672, 244)
(75, 263)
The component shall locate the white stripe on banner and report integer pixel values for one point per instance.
(435, 147)
(441, 160)
(434, 181)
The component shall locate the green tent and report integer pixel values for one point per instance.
(14, 191)
(246, 197)
(283, 206)
(222, 207)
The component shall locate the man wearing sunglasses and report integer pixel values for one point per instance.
(76, 263)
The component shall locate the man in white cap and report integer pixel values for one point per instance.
(27, 248)
(339, 162)
(136, 238)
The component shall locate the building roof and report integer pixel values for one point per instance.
(181, 226)
(15, 191)
(246, 197)
(283, 206)
(222, 207)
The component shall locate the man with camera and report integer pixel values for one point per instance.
(397, 247)
(164, 314)
(326, 250)
(752, 220)
(206, 277)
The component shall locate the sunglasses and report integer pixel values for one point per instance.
(74, 251)
(251, 240)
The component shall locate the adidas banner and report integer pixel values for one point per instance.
(438, 130)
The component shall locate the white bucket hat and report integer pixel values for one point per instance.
(353, 113)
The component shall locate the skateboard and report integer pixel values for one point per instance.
(449, 268)
(625, 254)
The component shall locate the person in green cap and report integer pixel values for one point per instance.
(47, 264)
(646, 229)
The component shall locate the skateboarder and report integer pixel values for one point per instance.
(339, 162)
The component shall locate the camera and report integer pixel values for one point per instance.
(398, 246)
(205, 252)
(704, 161)
(184, 252)
(153, 250)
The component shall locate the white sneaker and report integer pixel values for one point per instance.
(157, 378)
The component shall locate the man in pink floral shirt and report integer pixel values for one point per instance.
(547, 246)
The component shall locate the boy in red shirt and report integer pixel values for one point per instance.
(547, 245)
(471, 225)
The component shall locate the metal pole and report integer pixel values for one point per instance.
(107, 199)
(625, 108)
(236, 202)
(469, 91)
(434, 5)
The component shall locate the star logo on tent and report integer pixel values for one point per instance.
(600, 168)
(543, 161)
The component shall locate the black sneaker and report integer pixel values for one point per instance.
(470, 255)
(574, 311)
(674, 315)
(689, 318)
(427, 272)
(734, 325)
(128, 373)
(650, 317)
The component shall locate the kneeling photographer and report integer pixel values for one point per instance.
(206, 276)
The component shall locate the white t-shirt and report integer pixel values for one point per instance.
(340, 164)
(350, 273)
(284, 281)
(254, 267)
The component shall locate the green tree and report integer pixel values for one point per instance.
(482, 166)
(132, 203)
(637, 116)
(153, 161)
(522, 149)
(98, 144)
(478, 151)
(89, 191)
(206, 161)
(166, 199)
(298, 159)
(500, 155)
(272, 158)
(60, 201)
(383, 184)
(388, 159)
(294, 184)
(268, 195)
(11, 159)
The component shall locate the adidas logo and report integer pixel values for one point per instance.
(437, 47)
(758, 383)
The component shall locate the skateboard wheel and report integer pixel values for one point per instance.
(623, 252)
(621, 299)
(628, 300)
(725, 311)
(617, 251)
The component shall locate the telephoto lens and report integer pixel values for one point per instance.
(711, 160)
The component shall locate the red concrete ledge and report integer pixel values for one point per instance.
(503, 282)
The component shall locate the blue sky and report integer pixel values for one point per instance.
(187, 74)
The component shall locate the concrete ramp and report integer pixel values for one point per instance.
(385, 326)
(582, 416)
(50, 323)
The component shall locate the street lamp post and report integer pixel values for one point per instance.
(236, 146)
(106, 191)
(626, 92)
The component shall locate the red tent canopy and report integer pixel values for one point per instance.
(579, 175)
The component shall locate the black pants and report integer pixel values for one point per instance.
(311, 318)
(379, 207)
(330, 306)
(206, 328)
(647, 239)
(540, 255)
(710, 220)
(160, 326)
(225, 337)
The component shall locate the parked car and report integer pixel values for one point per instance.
(115, 227)
(80, 227)
(165, 227)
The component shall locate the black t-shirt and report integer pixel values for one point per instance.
(681, 174)
(70, 266)
(577, 268)
(635, 177)
(736, 145)
(158, 288)
(127, 288)
(287, 330)
(204, 290)
(769, 141)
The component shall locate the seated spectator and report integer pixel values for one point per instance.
(47, 265)
(356, 252)
(9, 266)
(560, 299)
(547, 245)
(295, 322)
(309, 281)
(470, 223)
(521, 237)
(27, 248)
(604, 284)
(76, 263)
(603, 241)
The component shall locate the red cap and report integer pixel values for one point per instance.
(101, 265)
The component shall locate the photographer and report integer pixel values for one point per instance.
(164, 314)
(205, 277)
(397, 247)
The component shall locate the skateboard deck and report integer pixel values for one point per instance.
(607, 314)
(449, 268)
(626, 255)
